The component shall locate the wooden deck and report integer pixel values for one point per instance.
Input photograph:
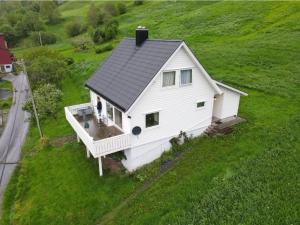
(98, 130)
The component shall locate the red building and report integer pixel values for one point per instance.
(6, 58)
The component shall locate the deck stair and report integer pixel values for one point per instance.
(223, 126)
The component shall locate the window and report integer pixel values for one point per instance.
(109, 110)
(7, 67)
(185, 77)
(200, 104)
(152, 119)
(118, 117)
(168, 79)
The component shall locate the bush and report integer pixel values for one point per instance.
(111, 30)
(110, 9)
(75, 28)
(138, 2)
(46, 38)
(105, 48)
(69, 61)
(98, 36)
(122, 8)
(47, 98)
(95, 16)
(81, 44)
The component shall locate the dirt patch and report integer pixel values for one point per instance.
(59, 142)
(112, 165)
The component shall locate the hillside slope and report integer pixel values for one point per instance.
(248, 177)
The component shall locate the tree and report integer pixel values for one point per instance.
(110, 9)
(122, 8)
(29, 22)
(46, 38)
(45, 66)
(48, 9)
(95, 16)
(81, 43)
(47, 98)
(138, 2)
(9, 34)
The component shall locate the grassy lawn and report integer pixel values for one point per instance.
(248, 177)
(5, 103)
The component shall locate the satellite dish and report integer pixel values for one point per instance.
(136, 130)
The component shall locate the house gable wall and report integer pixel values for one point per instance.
(176, 105)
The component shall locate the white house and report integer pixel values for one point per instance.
(150, 90)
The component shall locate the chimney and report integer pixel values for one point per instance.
(141, 34)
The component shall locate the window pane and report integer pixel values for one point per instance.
(200, 104)
(186, 77)
(152, 119)
(118, 117)
(168, 79)
(109, 110)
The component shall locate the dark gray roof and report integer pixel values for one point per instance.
(128, 71)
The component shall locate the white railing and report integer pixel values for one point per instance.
(101, 147)
(74, 108)
(113, 144)
(84, 136)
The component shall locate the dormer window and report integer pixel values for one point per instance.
(185, 77)
(168, 79)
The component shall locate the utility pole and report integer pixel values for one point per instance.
(32, 99)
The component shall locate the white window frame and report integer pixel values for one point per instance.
(188, 84)
(113, 113)
(162, 79)
(115, 108)
(154, 126)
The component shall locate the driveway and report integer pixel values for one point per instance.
(14, 133)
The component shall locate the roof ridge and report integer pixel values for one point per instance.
(167, 40)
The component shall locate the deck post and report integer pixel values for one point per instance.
(88, 155)
(100, 167)
(78, 138)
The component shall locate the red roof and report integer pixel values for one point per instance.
(5, 56)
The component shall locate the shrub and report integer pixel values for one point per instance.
(48, 9)
(138, 2)
(104, 49)
(122, 8)
(47, 98)
(111, 30)
(95, 16)
(75, 28)
(46, 38)
(69, 61)
(98, 36)
(81, 44)
(110, 9)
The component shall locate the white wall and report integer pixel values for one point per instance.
(125, 120)
(6, 68)
(176, 106)
(227, 104)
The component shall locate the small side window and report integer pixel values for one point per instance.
(200, 104)
(152, 119)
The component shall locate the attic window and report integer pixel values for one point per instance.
(186, 77)
(168, 79)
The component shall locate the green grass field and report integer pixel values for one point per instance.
(250, 176)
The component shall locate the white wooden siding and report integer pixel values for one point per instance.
(176, 104)
(227, 104)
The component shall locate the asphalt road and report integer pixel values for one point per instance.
(14, 133)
